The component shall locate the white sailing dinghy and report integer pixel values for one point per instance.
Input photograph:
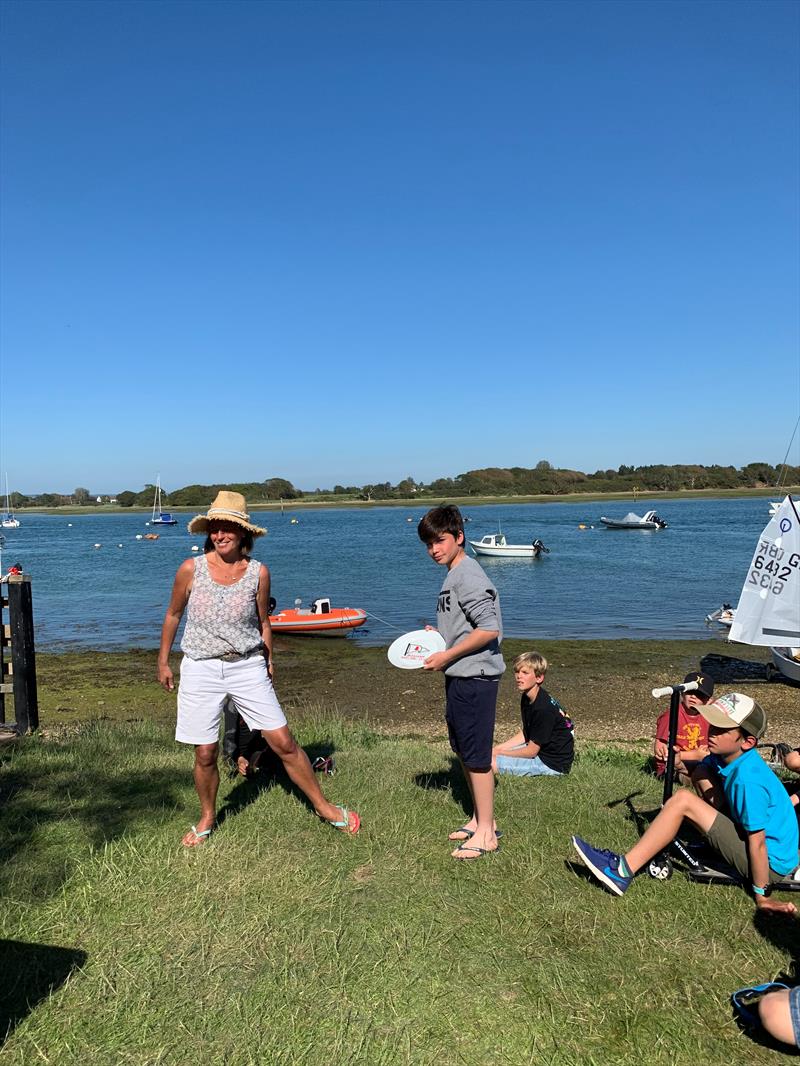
(768, 612)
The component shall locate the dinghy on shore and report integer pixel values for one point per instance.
(769, 606)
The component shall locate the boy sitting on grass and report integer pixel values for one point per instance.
(545, 745)
(691, 745)
(759, 839)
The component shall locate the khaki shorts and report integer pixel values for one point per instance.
(730, 840)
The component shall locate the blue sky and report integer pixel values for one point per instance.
(352, 242)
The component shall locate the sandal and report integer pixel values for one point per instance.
(200, 836)
(469, 833)
(346, 825)
(479, 852)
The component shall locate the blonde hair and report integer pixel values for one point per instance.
(532, 659)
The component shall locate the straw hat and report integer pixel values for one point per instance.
(228, 507)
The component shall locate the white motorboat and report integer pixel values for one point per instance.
(724, 615)
(496, 544)
(649, 520)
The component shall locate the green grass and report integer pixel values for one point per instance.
(282, 941)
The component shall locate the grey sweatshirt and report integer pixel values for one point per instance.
(468, 601)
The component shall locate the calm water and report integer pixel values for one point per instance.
(595, 583)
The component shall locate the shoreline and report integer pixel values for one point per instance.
(431, 501)
(605, 685)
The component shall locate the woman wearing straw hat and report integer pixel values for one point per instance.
(227, 647)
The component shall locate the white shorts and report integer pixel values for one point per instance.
(205, 685)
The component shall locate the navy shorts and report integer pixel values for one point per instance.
(470, 713)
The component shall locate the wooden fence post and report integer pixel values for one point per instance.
(5, 641)
(23, 655)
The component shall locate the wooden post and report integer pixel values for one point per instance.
(5, 632)
(23, 655)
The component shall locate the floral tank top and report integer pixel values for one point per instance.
(221, 618)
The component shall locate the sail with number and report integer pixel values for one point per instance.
(768, 612)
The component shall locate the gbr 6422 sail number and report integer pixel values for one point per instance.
(770, 571)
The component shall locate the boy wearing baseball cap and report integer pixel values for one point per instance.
(691, 739)
(758, 837)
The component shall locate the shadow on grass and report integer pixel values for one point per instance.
(50, 792)
(451, 780)
(270, 774)
(30, 973)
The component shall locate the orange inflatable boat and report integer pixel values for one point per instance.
(318, 620)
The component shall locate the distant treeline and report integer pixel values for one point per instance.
(541, 480)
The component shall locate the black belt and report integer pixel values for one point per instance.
(235, 656)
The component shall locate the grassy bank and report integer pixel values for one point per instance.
(283, 942)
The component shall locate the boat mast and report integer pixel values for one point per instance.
(157, 498)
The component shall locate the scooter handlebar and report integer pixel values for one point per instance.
(687, 686)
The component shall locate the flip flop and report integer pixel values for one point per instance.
(479, 852)
(469, 833)
(345, 825)
(200, 837)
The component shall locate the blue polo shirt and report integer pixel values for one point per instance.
(758, 800)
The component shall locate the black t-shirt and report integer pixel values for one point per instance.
(544, 722)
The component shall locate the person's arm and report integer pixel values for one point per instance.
(759, 874)
(172, 619)
(687, 760)
(473, 642)
(660, 749)
(262, 604)
(507, 746)
(708, 786)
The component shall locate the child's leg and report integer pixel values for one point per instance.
(522, 766)
(470, 722)
(663, 830)
(481, 786)
(780, 1014)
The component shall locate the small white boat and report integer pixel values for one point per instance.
(724, 615)
(649, 520)
(496, 544)
(787, 660)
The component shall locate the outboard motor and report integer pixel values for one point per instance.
(538, 548)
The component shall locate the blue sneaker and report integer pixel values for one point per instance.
(604, 865)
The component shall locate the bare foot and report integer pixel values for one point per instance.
(476, 848)
(198, 834)
(467, 830)
(346, 821)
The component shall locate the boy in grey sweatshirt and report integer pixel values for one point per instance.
(468, 617)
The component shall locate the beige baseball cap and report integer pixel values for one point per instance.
(734, 708)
